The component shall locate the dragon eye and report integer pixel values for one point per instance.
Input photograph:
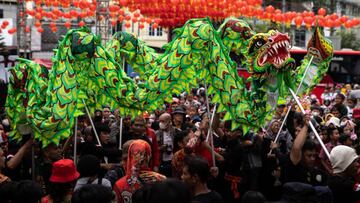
(259, 44)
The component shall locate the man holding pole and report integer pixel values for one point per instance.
(300, 164)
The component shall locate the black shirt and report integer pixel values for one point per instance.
(344, 189)
(211, 197)
(300, 173)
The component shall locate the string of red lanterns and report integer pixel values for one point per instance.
(174, 13)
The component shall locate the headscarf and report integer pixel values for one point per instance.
(269, 132)
(139, 155)
(284, 135)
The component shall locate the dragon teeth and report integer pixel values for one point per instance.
(264, 58)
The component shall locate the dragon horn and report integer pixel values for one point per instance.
(320, 44)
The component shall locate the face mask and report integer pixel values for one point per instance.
(162, 126)
(315, 113)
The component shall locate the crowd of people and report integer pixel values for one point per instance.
(175, 155)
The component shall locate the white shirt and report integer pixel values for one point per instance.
(83, 181)
(169, 142)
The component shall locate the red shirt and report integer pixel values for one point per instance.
(155, 153)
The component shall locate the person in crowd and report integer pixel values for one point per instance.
(346, 140)
(107, 149)
(253, 197)
(89, 169)
(196, 173)
(233, 160)
(342, 183)
(333, 122)
(119, 171)
(19, 192)
(155, 161)
(62, 182)
(180, 140)
(178, 118)
(284, 139)
(106, 114)
(165, 137)
(98, 117)
(335, 112)
(334, 141)
(170, 190)
(327, 94)
(138, 172)
(50, 154)
(18, 162)
(115, 129)
(300, 164)
(280, 112)
(350, 104)
(93, 193)
(3, 178)
(339, 104)
(193, 113)
(140, 131)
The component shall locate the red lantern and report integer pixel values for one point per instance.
(329, 23)
(141, 26)
(113, 8)
(113, 22)
(343, 19)
(127, 25)
(278, 17)
(298, 21)
(337, 23)
(121, 18)
(30, 12)
(73, 14)
(81, 23)
(322, 12)
(12, 31)
(134, 20)
(148, 20)
(54, 29)
(83, 14)
(334, 16)
(67, 15)
(93, 7)
(270, 9)
(40, 29)
(309, 20)
(37, 24)
(83, 4)
(4, 24)
(67, 24)
(123, 2)
(136, 15)
(348, 24)
(127, 18)
(155, 25)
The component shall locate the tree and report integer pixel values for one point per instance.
(348, 39)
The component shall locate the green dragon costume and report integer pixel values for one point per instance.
(83, 70)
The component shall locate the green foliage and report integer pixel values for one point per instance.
(349, 40)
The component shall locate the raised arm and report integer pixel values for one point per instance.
(295, 154)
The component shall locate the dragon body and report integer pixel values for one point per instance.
(83, 70)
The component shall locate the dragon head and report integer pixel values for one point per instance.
(269, 51)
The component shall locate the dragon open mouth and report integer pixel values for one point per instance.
(277, 51)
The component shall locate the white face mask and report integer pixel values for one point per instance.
(315, 113)
(162, 126)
